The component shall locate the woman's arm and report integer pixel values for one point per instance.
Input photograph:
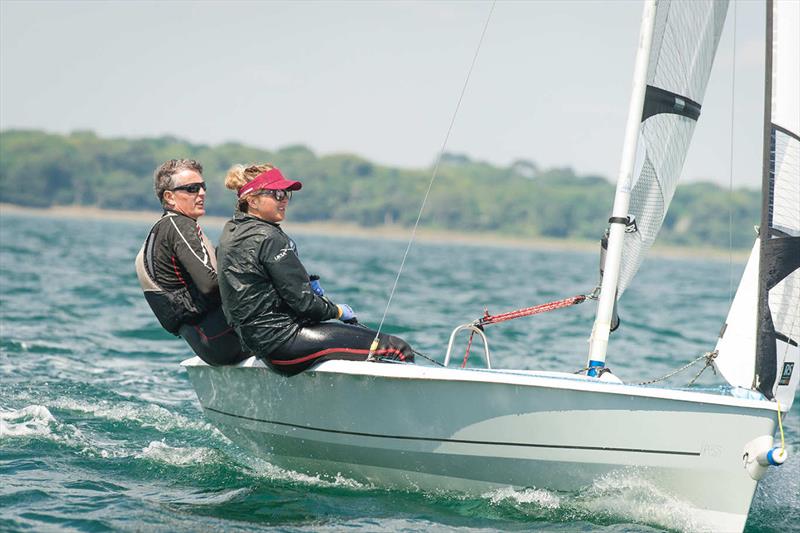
(289, 276)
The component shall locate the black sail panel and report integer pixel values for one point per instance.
(778, 329)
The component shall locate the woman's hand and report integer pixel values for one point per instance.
(315, 286)
(346, 313)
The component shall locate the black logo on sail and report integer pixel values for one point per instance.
(786, 374)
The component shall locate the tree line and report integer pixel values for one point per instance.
(41, 169)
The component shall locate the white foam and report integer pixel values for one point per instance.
(540, 497)
(149, 415)
(266, 469)
(627, 495)
(33, 420)
(204, 498)
(36, 421)
(176, 456)
(384, 525)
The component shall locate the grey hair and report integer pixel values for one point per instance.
(162, 178)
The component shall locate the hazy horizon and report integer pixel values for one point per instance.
(380, 79)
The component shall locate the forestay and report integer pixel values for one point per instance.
(685, 40)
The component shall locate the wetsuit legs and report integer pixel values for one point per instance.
(213, 340)
(334, 340)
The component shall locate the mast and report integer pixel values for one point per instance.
(598, 343)
(766, 189)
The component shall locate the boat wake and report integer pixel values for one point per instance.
(161, 452)
(259, 468)
(133, 413)
(626, 495)
(615, 499)
(169, 443)
(521, 498)
(93, 437)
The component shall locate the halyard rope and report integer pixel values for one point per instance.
(433, 178)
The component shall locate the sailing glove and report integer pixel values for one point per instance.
(346, 313)
(315, 286)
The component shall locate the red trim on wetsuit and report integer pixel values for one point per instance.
(177, 272)
(336, 350)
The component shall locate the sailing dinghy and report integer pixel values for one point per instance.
(393, 424)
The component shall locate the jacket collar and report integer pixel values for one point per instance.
(240, 216)
(170, 213)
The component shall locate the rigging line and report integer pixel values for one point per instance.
(730, 165)
(434, 173)
(708, 356)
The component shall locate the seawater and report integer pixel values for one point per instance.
(100, 429)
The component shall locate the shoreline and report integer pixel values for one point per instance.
(398, 233)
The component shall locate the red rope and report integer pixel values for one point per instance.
(466, 354)
(536, 309)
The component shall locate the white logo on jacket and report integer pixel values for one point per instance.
(292, 247)
(283, 253)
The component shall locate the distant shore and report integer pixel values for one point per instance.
(398, 233)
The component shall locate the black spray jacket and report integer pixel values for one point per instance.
(266, 295)
(176, 268)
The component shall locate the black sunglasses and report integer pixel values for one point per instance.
(192, 188)
(278, 194)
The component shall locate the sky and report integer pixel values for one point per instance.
(380, 79)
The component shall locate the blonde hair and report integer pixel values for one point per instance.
(239, 175)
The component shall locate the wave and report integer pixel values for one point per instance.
(30, 421)
(626, 495)
(161, 452)
(621, 497)
(150, 415)
(539, 497)
(260, 468)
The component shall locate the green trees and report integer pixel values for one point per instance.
(41, 169)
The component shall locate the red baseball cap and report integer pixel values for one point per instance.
(272, 179)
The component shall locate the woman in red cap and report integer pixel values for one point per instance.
(267, 295)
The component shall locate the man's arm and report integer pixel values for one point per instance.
(194, 257)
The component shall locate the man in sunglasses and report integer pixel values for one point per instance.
(177, 267)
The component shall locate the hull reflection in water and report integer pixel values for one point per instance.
(467, 430)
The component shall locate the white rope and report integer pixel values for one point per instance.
(433, 175)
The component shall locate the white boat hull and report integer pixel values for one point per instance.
(421, 427)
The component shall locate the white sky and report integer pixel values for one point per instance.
(379, 79)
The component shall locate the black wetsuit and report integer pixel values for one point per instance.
(176, 268)
(267, 297)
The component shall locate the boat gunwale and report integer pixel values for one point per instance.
(529, 378)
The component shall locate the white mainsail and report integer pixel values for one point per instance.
(758, 347)
(680, 54)
(684, 44)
